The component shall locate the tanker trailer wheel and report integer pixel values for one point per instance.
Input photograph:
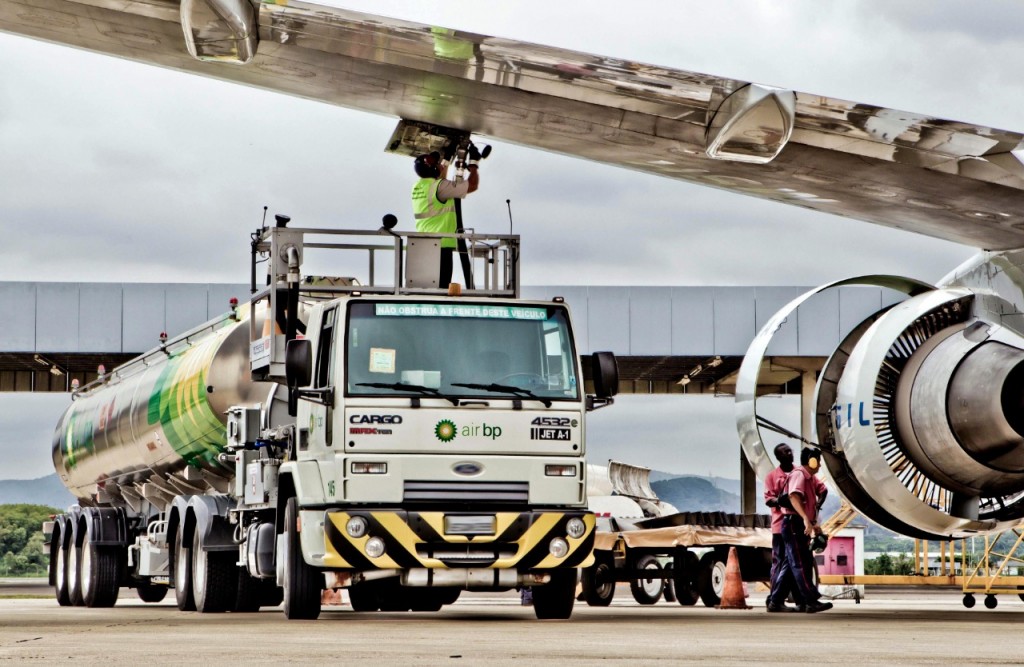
(685, 568)
(60, 575)
(214, 578)
(599, 581)
(302, 583)
(555, 598)
(711, 579)
(249, 593)
(75, 571)
(101, 569)
(647, 590)
(183, 573)
(150, 592)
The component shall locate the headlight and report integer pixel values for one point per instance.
(374, 547)
(356, 526)
(575, 527)
(558, 547)
(364, 468)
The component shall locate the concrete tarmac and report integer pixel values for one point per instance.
(887, 628)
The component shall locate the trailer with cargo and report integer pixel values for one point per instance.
(660, 551)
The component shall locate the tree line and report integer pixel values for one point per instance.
(21, 540)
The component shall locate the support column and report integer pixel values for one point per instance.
(748, 486)
(807, 407)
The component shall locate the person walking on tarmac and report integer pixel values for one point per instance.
(798, 526)
(775, 486)
(433, 202)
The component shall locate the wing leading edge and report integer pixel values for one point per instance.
(947, 179)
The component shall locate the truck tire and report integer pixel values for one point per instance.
(75, 572)
(554, 599)
(214, 578)
(599, 582)
(61, 589)
(648, 591)
(449, 595)
(272, 595)
(249, 594)
(149, 592)
(302, 583)
(392, 596)
(101, 569)
(182, 573)
(425, 599)
(685, 568)
(363, 597)
(711, 579)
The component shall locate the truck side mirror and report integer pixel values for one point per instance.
(605, 374)
(298, 365)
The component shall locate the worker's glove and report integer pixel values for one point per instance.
(473, 154)
(772, 502)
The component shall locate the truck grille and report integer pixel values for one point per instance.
(466, 555)
(508, 493)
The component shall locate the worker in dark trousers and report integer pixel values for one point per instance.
(433, 203)
(775, 486)
(798, 526)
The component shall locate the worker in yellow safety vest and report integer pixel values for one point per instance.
(433, 204)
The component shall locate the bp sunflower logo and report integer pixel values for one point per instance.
(445, 430)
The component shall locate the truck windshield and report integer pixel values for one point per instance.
(423, 349)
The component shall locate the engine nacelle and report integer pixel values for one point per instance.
(920, 414)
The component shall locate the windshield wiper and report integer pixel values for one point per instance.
(402, 386)
(504, 388)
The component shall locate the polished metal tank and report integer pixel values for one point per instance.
(158, 414)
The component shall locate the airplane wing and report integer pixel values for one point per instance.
(947, 179)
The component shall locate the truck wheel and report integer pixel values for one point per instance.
(648, 590)
(302, 583)
(599, 582)
(101, 567)
(392, 597)
(149, 592)
(363, 597)
(183, 574)
(75, 572)
(711, 579)
(685, 567)
(272, 595)
(425, 599)
(214, 578)
(450, 595)
(555, 598)
(61, 588)
(250, 593)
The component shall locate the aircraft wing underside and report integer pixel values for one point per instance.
(942, 178)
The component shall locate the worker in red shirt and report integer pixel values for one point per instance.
(775, 486)
(798, 526)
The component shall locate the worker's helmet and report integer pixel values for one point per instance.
(428, 165)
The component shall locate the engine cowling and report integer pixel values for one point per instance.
(920, 415)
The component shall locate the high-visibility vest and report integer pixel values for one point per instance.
(432, 215)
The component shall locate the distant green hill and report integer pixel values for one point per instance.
(696, 494)
(43, 491)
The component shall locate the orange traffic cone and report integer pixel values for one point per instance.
(732, 593)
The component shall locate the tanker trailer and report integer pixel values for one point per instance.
(138, 441)
(399, 441)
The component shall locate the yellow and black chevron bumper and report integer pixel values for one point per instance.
(417, 539)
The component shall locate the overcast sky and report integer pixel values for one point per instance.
(115, 171)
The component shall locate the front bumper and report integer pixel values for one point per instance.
(418, 540)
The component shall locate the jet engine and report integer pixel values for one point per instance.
(919, 411)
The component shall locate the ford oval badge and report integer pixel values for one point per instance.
(467, 468)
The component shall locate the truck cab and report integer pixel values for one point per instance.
(440, 439)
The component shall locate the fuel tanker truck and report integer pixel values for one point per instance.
(401, 441)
